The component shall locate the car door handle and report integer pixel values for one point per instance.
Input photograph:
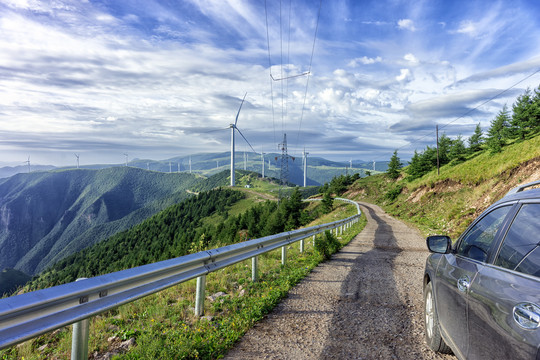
(527, 315)
(463, 283)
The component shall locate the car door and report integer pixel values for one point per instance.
(504, 299)
(457, 271)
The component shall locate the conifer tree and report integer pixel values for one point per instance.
(476, 140)
(458, 150)
(522, 117)
(394, 166)
(498, 132)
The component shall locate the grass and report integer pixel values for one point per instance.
(164, 325)
(447, 203)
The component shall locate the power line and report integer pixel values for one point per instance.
(468, 112)
(309, 72)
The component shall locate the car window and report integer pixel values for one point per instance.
(519, 250)
(477, 241)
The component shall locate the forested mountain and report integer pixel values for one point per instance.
(45, 216)
(181, 229)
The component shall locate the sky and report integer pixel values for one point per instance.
(342, 79)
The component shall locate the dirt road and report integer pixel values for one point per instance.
(365, 303)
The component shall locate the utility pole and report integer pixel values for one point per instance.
(437, 134)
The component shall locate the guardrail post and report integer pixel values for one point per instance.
(302, 246)
(199, 297)
(79, 340)
(283, 255)
(254, 270)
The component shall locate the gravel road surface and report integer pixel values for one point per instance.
(365, 303)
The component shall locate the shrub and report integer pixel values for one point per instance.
(327, 245)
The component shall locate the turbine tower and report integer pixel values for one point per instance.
(305, 166)
(190, 164)
(233, 128)
(77, 156)
(126, 155)
(262, 160)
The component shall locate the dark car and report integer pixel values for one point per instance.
(482, 293)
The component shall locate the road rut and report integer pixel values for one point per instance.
(364, 303)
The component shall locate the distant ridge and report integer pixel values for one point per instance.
(320, 170)
(45, 216)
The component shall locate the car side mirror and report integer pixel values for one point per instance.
(440, 244)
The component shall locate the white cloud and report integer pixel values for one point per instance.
(406, 24)
(405, 75)
(411, 58)
(364, 60)
(468, 27)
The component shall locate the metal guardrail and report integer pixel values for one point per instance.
(25, 316)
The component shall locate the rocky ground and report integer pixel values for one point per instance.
(365, 303)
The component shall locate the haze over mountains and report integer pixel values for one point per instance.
(320, 170)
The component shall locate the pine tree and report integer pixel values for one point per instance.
(458, 150)
(394, 166)
(327, 203)
(476, 140)
(445, 145)
(535, 111)
(499, 130)
(522, 115)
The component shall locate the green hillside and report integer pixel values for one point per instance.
(448, 202)
(207, 220)
(10, 280)
(45, 216)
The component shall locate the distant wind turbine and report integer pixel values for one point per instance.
(262, 160)
(126, 155)
(190, 164)
(27, 162)
(233, 127)
(77, 156)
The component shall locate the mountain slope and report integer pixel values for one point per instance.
(448, 202)
(46, 216)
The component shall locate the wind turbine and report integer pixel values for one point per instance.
(190, 164)
(77, 156)
(305, 166)
(233, 127)
(126, 155)
(27, 162)
(262, 160)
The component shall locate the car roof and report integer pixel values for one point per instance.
(520, 192)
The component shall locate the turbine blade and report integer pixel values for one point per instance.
(240, 108)
(246, 140)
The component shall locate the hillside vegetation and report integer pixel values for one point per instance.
(163, 325)
(447, 203)
(45, 216)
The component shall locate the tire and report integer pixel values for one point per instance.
(431, 323)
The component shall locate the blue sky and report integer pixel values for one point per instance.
(154, 79)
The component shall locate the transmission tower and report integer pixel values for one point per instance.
(284, 174)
